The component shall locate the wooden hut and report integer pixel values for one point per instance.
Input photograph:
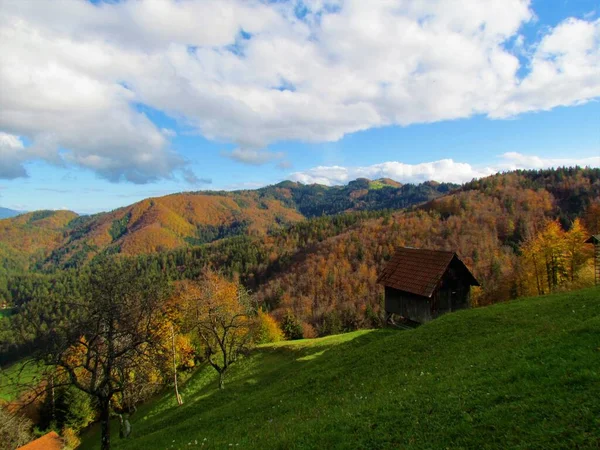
(421, 285)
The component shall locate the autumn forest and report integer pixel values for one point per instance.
(289, 261)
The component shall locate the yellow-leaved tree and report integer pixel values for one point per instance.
(577, 252)
(221, 313)
(553, 257)
(267, 328)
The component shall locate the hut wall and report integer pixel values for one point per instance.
(410, 306)
(453, 294)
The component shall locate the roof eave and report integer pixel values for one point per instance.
(595, 239)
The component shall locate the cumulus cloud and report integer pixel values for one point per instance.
(253, 73)
(12, 155)
(445, 170)
(514, 161)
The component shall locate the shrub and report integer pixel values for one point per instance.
(72, 409)
(331, 324)
(292, 329)
(70, 439)
(308, 331)
(267, 329)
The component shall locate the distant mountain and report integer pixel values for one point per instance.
(313, 250)
(194, 218)
(31, 237)
(5, 213)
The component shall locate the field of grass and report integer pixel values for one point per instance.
(375, 185)
(524, 374)
(16, 379)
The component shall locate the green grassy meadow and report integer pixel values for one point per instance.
(17, 379)
(523, 374)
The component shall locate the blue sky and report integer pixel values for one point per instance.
(129, 100)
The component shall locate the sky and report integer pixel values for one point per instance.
(104, 103)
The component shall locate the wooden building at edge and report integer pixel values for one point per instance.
(421, 285)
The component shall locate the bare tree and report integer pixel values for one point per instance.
(177, 396)
(111, 347)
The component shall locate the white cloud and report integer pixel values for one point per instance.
(565, 70)
(72, 72)
(12, 156)
(445, 170)
(514, 161)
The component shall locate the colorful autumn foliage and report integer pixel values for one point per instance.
(552, 258)
(323, 271)
(267, 329)
(221, 314)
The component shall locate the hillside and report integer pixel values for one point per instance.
(324, 269)
(30, 237)
(523, 374)
(188, 219)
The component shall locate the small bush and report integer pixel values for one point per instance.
(308, 331)
(70, 439)
(267, 329)
(292, 329)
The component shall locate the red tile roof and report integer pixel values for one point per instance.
(50, 441)
(418, 271)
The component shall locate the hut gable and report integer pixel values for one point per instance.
(420, 271)
(423, 284)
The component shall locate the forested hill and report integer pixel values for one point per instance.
(521, 233)
(61, 239)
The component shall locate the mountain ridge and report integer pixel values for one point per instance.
(6, 213)
(185, 219)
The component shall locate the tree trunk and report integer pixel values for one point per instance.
(53, 398)
(179, 400)
(105, 423)
(222, 380)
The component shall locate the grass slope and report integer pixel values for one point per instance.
(17, 379)
(524, 374)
